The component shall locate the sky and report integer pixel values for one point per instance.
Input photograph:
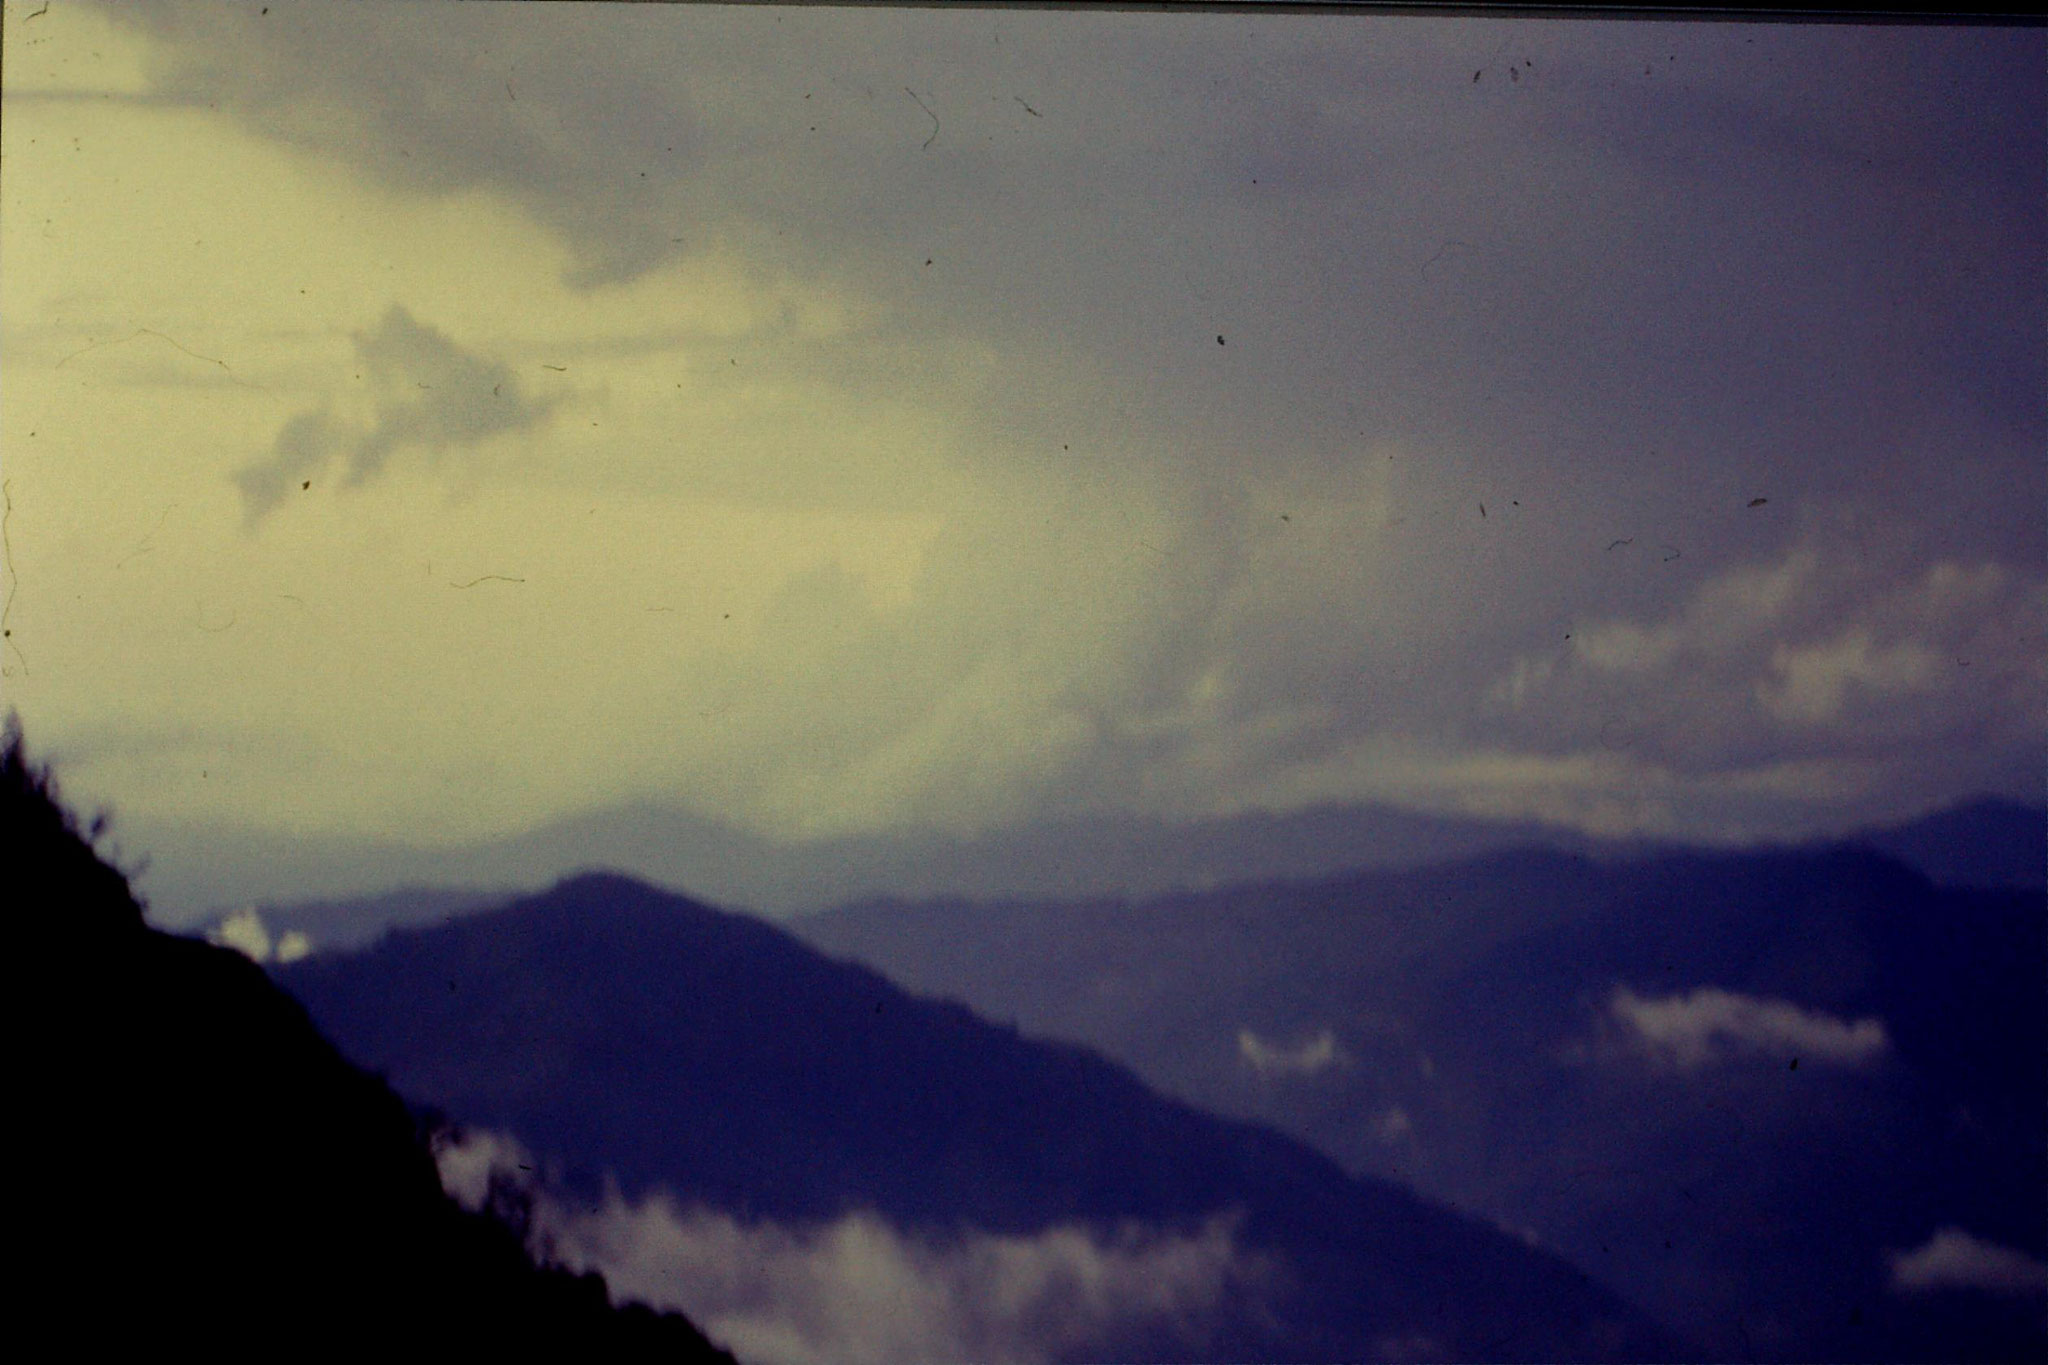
(422, 422)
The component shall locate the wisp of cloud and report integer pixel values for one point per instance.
(858, 1290)
(431, 393)
(1953, 1259)
(1712, 1025)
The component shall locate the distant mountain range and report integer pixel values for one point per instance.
(310, 888)
(629, 1035)
(198, 1167)
(1570, 1039)
(1792, 1102)
(194, 873)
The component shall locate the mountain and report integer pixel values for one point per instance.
(1986, 842)
(197, 1164)
(1752, 1090)
(313, 887)
(194, 873)
(633, 1036)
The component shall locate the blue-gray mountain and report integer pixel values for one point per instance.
(625, 1032)
(1735, 1086)
(1987, 842)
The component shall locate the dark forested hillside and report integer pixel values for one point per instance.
(200, 1167)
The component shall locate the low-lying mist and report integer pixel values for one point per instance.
(858, 1290)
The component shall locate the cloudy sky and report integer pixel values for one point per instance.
(429, 421)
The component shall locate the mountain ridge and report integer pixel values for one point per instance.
(1608, 1053)
(536, 1019)
(2008, 838)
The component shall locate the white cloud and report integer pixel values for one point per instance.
(1802, 683)
(1712, 1025)
(1621, 646)
(857, 1290)
(1953, 1259)
(1812, 680)
(245, 932)
(468, 1160)
(1304, 1059)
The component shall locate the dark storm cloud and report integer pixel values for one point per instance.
(430, 393)
(1589, 270)
(550, 105)
(1514, 323)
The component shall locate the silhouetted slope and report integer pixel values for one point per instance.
(1474, 1048)
(624, 1030)
(200, 1167)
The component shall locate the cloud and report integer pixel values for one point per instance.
(246, 933)
(561, 110)
(1130, 569)
(468, 1162)
(857, 1290)
(1305, 1059)
(1712, 1025)
(302, 449)
(1814, 680)
(1953, 1259)
(1826, 674)
(428, 393)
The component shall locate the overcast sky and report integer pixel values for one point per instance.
(428, 421)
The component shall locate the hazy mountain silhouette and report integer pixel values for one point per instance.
(1607, 1054)
(1986, 842)
(199, 871)
(199, 1166)
(316, 886)
(631, 1033)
